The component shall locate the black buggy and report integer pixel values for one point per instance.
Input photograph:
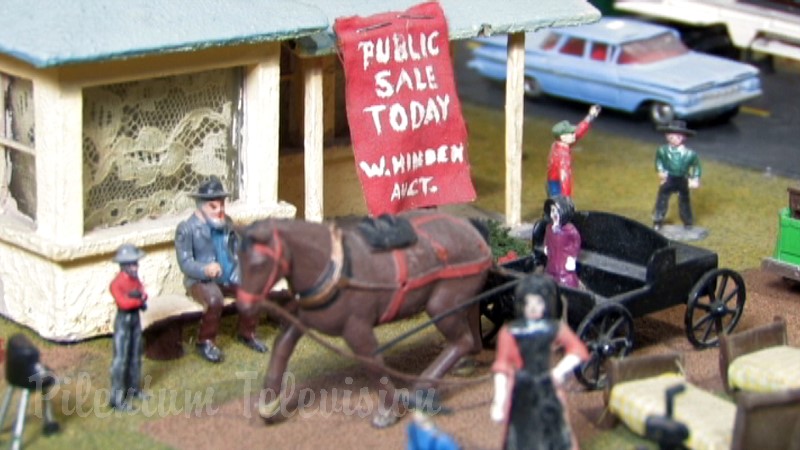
(628, 270)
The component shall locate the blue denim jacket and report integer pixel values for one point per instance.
(195, 249)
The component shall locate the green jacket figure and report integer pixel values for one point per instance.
(678, 170)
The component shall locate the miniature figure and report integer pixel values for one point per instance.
(130, 296)
(423, 434)
(525, 388)
(559, 163)
(678, 171)
(206, 247)
(562, 242)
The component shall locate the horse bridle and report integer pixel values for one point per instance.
(280, 266)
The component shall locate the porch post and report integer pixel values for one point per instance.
(260, 130)
(515, 100)
(313, 135)
(58, 118)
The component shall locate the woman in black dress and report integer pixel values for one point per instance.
(525, 396)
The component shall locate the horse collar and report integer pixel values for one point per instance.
(330, 280)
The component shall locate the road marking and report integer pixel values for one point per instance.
(755, 111)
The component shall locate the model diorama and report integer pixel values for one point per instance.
(348, 280)
(679, 170)
(118, 115)
(206, 247)
(629, 270)
(525, 386)
(559, 163)
(130, 297)
(562, 242)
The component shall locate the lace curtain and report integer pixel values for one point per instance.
(147, 144)
(17, 168)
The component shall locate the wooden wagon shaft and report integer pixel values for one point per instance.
(477, 299)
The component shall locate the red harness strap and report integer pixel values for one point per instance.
(447, 271)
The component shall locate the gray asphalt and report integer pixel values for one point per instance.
(763, 137)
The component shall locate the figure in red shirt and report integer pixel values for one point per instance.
(527, 397)
(129, 294)
(559, 164)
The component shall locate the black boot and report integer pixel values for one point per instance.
(210, 351)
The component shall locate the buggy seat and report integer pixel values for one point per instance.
(619, 254)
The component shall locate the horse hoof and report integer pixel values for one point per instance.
(383, 420)
(269, 410)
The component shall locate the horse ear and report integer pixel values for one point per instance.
(257, 231)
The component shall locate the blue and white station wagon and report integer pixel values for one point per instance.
(625, 64)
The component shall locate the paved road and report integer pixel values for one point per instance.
(762, 137)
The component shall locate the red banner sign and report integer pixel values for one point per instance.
(408, 134)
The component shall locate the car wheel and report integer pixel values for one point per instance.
(532, 88)
(660, 113)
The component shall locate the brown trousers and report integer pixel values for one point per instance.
(211, 296)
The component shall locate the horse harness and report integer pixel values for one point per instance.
(337, 276)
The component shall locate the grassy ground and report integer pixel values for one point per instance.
(738, 207)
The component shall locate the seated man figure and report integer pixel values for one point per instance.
(206, 246)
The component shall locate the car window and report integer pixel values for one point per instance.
(599, 51)
(657, 48)
(550, 41)
(573, 46)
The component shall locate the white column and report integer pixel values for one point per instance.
(515, 100)
(4, 166)
(58, 118)
(260, 130)
(313, 134)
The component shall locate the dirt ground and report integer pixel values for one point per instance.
(236, 425)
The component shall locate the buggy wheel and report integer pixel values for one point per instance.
(494, 313)
(607, 332)
(714, 308)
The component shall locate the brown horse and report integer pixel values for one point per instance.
(343, 287)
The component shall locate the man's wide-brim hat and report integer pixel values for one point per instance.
(676, 126)
(127, 254)
(210, 190)
(563, 127)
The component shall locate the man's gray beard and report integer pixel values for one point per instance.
(216, 224)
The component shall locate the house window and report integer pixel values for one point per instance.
(17, 155)
(147, 144)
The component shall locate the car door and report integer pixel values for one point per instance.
(564, 78)
(600, 83)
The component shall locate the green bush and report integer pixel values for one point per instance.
(502, 242)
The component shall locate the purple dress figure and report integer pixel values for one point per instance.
(562, 242)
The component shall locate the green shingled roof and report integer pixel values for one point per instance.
(49, 33)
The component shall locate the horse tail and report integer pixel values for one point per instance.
(482, 227)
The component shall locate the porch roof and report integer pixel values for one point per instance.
(52, 33)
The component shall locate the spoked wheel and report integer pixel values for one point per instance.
(714, 308)
(607, 332)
